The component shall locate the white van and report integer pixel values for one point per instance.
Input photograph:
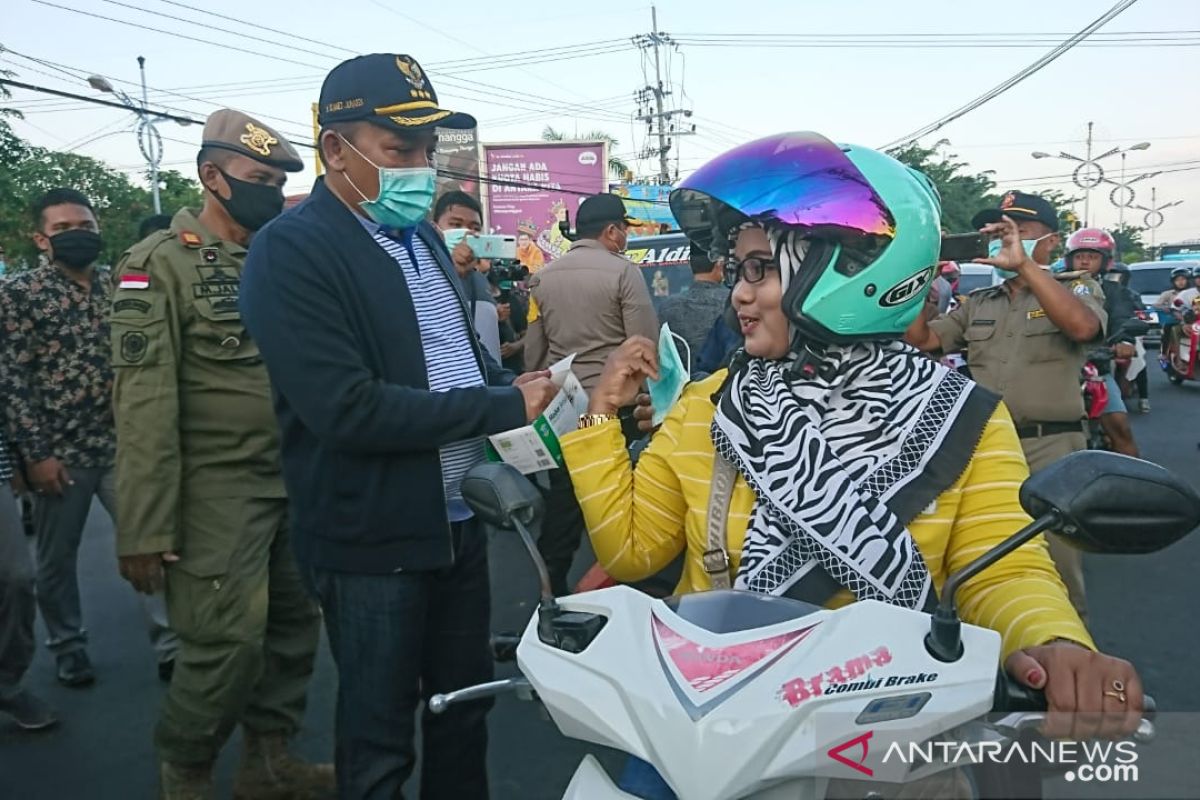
(1151, 278)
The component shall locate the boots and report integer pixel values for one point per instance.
(269, 772)
(185, 781)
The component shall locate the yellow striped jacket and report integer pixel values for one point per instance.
(640, 520)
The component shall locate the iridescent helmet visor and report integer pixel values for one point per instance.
(798, 179)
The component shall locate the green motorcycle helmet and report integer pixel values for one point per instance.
(871, 224)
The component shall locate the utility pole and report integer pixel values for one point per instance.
(659, 121)
(1087, 192)
(153, 156)
(664, 171)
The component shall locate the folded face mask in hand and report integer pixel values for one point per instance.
(673, 374)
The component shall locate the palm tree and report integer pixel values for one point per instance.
(5, 94)
(616, 167)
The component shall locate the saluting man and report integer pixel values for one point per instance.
(1026, 340)
(199, 486)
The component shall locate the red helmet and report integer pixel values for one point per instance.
(1096, 240)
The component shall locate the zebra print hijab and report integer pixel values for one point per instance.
(842, 460)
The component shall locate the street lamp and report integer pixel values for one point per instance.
(1088, 174)
(1125, 186)
(149, 139)
(1154, 216)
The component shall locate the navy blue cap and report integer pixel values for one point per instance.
(388, 90)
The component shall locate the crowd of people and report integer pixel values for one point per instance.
(277, 411)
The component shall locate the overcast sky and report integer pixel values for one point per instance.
(740, 89)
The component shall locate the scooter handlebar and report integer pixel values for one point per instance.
(1028, 705)
(1013, 696)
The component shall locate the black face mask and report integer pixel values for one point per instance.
(76, 248)
(252, 205)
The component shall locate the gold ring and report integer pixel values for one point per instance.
(1119, 695)
(1118, 685)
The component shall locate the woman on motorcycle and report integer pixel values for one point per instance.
(861, 469)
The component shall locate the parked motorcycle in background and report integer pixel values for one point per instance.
(723, 691)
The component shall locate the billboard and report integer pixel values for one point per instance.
(532, 186)
(458, 161)
(647, 202)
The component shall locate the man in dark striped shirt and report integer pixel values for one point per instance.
(384, 397)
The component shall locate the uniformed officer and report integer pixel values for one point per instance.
(1027, 340)
(199, 488)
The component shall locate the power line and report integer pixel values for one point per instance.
(1014, 80)
(972, 45)
(929, 34)
(601, 47)
(576, 52)
(97, 101)
(470, 89)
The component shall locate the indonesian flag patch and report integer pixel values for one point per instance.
(135, 280)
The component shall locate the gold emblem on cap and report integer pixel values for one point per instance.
(1008, 200)
(412, 71)
(425, 120)
(258, 139)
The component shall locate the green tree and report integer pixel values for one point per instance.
(177, 191)
(963, 193)
(5, 94)
(1130, 246)
(27, 171)
(616, 167)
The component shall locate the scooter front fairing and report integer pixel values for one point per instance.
(731, 694)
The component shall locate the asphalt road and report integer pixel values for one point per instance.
(1143, 609)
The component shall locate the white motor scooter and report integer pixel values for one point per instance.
(731, 694)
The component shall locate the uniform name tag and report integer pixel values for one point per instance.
(1037, 313)
(983, 323)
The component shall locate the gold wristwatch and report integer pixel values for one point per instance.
(592, 420)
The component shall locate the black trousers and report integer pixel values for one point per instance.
(398, 639)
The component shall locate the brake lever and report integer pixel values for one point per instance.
(440, 702)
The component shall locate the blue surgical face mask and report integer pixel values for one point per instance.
(3, 266)
(995, 245)
(453, 236)
(673, 374)
(405, 194)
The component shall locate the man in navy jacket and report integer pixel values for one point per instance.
(384, 396)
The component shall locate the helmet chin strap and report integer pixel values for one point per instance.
(806, 359)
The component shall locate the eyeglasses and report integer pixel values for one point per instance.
(750, 270)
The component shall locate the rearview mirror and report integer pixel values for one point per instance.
(504, 498)
(1111, 503)
(499, 494)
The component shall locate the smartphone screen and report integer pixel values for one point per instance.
(963, 247)
(493, 246)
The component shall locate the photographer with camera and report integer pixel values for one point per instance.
(505, 278)
(459, 216)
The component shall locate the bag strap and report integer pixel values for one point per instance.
(716, 557)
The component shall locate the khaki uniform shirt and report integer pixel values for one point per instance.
(587, 302)
(1014, 349)
(191, 396)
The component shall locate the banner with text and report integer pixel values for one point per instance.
(458, 161)
(532, 186)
